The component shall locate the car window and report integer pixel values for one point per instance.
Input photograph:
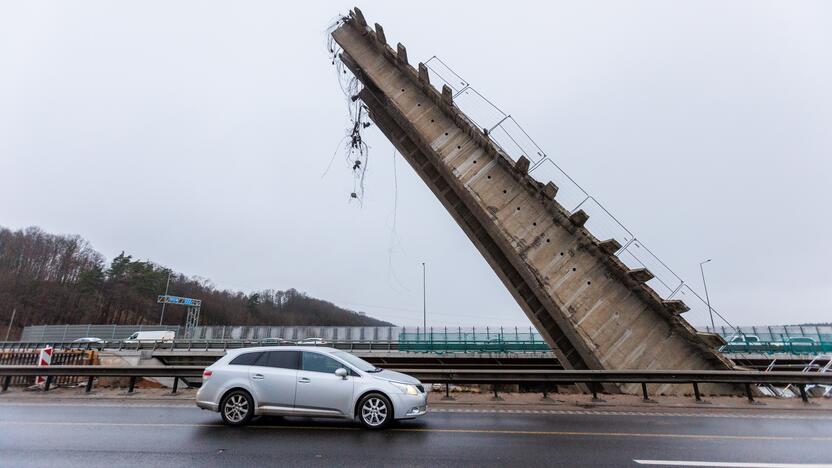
(280, 359)
(319, 363)
(245, 359)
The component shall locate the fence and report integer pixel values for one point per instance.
(66, 333)
(497, 341)
(59, 358)
(792, 339)
(769, 339)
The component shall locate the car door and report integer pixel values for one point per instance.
(319, 390)
(274, 378)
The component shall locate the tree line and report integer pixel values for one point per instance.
(61, 279)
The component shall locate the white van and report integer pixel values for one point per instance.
(151, 336)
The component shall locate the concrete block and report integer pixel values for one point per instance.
(610, 246)
(579, 217)
(447, 95)
(401, 53)
(424, 77)
(550, 190)
(359, 17)
(676, 306)
(642, 275)
(380, 34)
(522, 165)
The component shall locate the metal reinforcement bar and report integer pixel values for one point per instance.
(473, 376)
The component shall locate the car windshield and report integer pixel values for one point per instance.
(357, 362)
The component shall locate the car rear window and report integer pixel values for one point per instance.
(245, 359)
(280, 359)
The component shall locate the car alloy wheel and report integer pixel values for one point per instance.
(375, 411)
(237, 408)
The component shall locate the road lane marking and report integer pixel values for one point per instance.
(436, 430)
(731, 464)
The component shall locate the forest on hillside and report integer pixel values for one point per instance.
(57, 279)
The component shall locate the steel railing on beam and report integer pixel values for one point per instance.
(591, 378)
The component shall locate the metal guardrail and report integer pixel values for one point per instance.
(591, 378)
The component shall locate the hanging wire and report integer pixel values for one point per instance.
(352, 144)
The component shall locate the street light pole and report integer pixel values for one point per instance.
(424, 300)
(707, 298)
(162, 317)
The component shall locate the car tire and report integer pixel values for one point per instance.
(375, 411)
(237, 408)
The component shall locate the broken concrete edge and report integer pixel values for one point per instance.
(560, 214)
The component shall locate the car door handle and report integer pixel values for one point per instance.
(257, 377)
(303, 380)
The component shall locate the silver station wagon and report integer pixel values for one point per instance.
(308, 381)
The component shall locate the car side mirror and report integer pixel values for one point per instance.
(341, 372)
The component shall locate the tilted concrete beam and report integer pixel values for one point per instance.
(588, 306)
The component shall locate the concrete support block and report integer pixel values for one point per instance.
(610, 246)
(642, 275)
(579, 217)
(676, 306)
(401, 53)
(522, 165)
(423, 74)
(550, 190)
(359, 17)
(380, 34)
(447, 95)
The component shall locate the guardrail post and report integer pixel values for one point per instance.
(803, 395)
(175, 385)
(496, 397)
(696, 393)
(748, 393)
(545, 394)
(48, 383)
(448, 396)
(594, 387)
(88, 388)
(6, 381)
(132, 385)
(645, 397)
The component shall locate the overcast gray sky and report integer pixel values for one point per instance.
(196, 133)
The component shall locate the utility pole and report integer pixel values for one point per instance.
(424, 300)
(707, 299)
(10, 324)
(162, 317)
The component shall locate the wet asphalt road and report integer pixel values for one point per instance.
(112, 434)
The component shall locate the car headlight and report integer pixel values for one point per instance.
(406, 388)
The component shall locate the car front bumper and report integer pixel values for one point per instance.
(410, 406)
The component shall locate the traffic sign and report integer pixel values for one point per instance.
(186, 301)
